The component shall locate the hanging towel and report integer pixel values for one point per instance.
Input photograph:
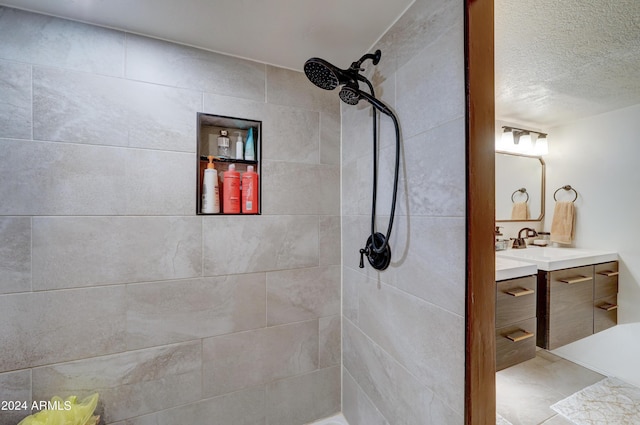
(520, 211)
(562, 224)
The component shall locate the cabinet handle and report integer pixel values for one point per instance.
(608, 306)
(575, 279)
(519, 335)
(608, 273)
(518, 292)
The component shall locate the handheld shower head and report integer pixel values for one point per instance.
(351, 94)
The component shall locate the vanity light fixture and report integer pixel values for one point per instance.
(520, 140)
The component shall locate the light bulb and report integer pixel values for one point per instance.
(526, 146)
(506, 141)
(542, 146)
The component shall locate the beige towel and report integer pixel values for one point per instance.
(562, 224)
(520, 211)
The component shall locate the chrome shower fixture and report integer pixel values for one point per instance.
(328, 77)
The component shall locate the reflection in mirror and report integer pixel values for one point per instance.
(513, 174)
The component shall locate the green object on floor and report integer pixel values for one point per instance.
(67, 411)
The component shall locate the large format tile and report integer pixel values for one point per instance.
(15, 387)
(130, 384)
(45, 40)
(435, 171)
(330, 334)
(305, 398)
(292, 88)
(246, 359)
(85, 251)
(302, 294)
(432, 263)
(430, 87)
(15, 254)
(165, 312)
(395, 392)
(55, 326)
(357, 408)
(176, 65)
(92, 109)
(240, 408)
(291, 134)
(330, 132)
(294, 188)
(261, 243)
(433, 352)
(330, 242)
(93, 180)
(15, 99)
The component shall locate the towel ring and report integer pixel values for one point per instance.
(521, 190)
(567, 187)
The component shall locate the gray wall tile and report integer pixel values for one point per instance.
(235, 107)
(15, 387)
(292, 88)
(357, 408)
(166, 63)
(292, 188)
(55, 326)
(84, 251)
(15, 254)
(94, 180)
(130, 384)
(15, 99)
(302, 294)
(302, 399)
(395, 392)
(92, 109)
(330, 341)
(166, 312)
(291, 134)
(229, 361)
(330, 137)
(264, 243)
(433, 351)
(45, 40)
(330, 242)
(238, 408)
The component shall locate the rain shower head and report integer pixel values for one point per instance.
(325, 75)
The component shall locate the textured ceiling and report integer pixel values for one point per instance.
(279, 32)
(558, 61)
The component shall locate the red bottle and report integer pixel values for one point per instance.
(231, 192)
(250, 191)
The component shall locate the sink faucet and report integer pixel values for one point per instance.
(520, 242)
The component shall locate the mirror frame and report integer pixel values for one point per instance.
(542, 186)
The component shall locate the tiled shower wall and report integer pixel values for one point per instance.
(403, 328)
(109, 281)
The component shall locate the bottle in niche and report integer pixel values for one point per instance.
(239, 146)
(224, 151)
(250, 191)
(210, 192)
(249, 149)
(231, 191)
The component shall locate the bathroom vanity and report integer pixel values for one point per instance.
(576, 292)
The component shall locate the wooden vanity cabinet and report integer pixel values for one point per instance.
(575, 303)
(515, 321)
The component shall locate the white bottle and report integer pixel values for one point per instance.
(239, 146)
(210, 190)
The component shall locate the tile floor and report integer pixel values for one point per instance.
(526, 391)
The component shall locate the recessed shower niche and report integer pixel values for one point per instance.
(232, 147)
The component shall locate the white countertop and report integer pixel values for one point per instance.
(510, 269)
(550, 259)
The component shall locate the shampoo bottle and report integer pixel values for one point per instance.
(210, 193)
(249, 149)
(231, 191)
(223, 145)
(239, 146)
(250, 191)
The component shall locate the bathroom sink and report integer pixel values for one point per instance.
(550, 259)
(507, 268)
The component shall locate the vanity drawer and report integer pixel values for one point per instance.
(570, 324)
(570, 287)
(606, 280)
(605, 313)
(515, 300)
(515, 343)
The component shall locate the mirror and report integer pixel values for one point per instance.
(519, 178)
